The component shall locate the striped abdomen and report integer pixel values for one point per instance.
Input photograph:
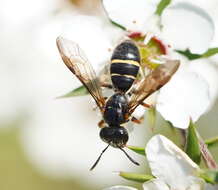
(124, 65)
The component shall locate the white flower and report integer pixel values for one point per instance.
(173, 169)
(170, 165)
(191, 92)
(180, 22)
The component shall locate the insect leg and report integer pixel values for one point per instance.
(106, 85)
(138, 121)
(101, 124)
(146, 105)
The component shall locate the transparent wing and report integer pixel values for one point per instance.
(77, 62)
(152, 82)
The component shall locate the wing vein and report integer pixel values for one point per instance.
(78, 64)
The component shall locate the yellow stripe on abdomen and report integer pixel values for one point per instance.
(128, 76)
(136, 63)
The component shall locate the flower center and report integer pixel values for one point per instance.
(150, 52)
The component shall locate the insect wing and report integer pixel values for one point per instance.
(152, 82)
(77, 62)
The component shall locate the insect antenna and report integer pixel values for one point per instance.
(131, 159)
(96, 162)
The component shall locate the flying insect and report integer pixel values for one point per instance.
(117, 109)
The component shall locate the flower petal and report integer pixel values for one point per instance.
(209, 72)
(185, 96)
(196, 183)
(155, 184)
(169, 163)
(214, 58)
(120, 187)
(131, 14)
(188, 26)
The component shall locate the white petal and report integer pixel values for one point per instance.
(209, 6)
(120, 187)
(155, 184)
(185, 96)
(130, 13)
(169, 163)
(196, 183)
(209, 71)
(188, 26)
(214, 58)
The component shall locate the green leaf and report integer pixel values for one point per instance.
(212, 141)
(210, 52)
(136, 177)
(80, 91)
(161, 6)
(117, 25)
(192, 56)
(210, 176)
(139, 150)
(192, 146)
(188, 54)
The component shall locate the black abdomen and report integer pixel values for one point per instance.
(124, 65)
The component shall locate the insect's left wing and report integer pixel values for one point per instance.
(152, 82)
(77, 62)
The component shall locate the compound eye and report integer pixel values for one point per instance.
(106, 134)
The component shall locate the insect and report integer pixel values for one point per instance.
(117, 109)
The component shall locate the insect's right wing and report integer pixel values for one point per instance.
(77, 62)
(152, 82)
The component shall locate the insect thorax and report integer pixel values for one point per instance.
(116, 109)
